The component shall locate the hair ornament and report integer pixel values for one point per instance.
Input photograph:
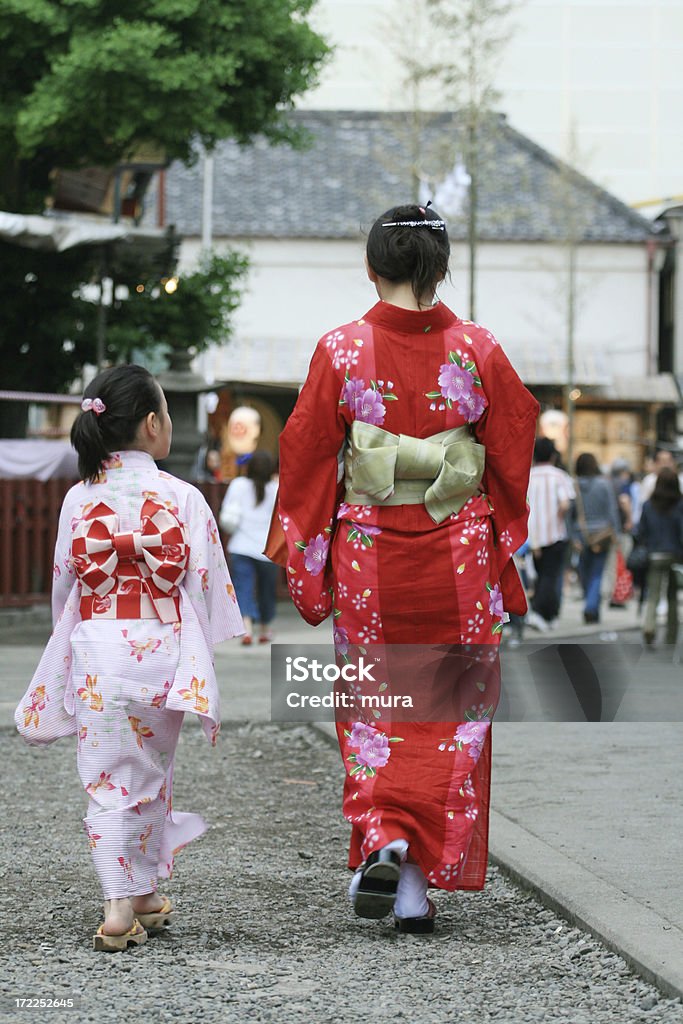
(436, 225)
(95, 405)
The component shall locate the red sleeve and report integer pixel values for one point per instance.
(507, 429)
(309, 490)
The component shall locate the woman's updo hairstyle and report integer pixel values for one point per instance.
(129, 394)
(402, 246)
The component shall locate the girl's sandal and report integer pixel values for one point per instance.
(157, 919)
(103, 943)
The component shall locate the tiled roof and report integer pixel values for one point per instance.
(358, 163)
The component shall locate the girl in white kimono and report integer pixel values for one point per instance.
(141, 594)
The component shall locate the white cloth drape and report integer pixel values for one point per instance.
(37, 460)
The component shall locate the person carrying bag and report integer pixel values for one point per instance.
(596, 523)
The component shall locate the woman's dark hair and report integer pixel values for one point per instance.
(260, 470)
(129, 393)
(667, 491)
(587, 465)
(544, 450)
(408, 251)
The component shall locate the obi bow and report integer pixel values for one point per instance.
(442, 471)
(159, 546)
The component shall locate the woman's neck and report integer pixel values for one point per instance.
(402, 295)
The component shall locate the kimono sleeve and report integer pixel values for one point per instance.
(507, 429)
(64, 575)
(207, 581)
(310, 489)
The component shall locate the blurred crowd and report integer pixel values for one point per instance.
(617, 534)
(614, 533)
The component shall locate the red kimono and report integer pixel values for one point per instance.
(392, 575)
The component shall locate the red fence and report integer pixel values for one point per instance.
(29, 513)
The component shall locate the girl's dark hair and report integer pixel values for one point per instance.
(129, 394)
(587, 465)
(667, 491)
(260, 470)
(409, 253)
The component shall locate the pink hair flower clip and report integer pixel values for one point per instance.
(95, 405)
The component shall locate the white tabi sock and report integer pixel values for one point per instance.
(411, 897)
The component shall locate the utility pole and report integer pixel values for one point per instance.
(207, 201)
(570, 396)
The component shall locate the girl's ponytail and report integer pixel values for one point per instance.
(86, 438)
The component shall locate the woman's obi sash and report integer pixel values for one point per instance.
(130, 575)
(441, 471)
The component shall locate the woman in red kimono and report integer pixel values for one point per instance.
(403, 480)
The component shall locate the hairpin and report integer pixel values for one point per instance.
(438, 225)
(95, 405)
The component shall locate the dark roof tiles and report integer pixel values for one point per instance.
(357, 163)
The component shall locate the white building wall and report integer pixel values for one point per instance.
(612, 66)
(298, 290)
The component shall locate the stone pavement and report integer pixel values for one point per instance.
(264, 933)
(588, 815)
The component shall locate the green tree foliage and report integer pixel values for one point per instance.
(86, 82)
(46, 327)
(189, 318)
(89, 83)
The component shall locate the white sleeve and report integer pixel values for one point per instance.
(207, 580)
(231, 509)
(63, 573)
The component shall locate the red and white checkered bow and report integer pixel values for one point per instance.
(159, 547)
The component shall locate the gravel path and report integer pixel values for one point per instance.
(264, 932)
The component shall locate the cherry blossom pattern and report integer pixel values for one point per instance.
(362, 535)
(367, 403)
(447, 873)
(372, 835)
(334, 340)
(372, 746)
(315, 552)
(345, 358)
(496, 610)
(356, 512)
(341, 638)
(367, 635)
(296, 587)
(459, 383)
(472, 736)
(475, 624)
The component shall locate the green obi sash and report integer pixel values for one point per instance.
(441, 471)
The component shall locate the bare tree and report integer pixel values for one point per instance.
(477, 31)
(449, 51)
